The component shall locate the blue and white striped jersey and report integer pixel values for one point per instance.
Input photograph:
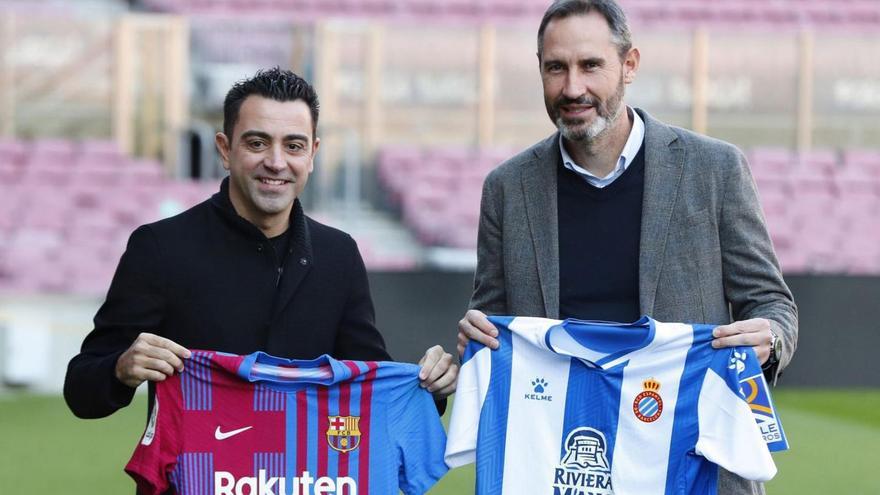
(576, 407)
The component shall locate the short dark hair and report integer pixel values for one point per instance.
(610, 10)
(275, 83)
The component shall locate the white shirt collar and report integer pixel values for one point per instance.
(630, 149)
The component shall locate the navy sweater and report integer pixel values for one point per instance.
(599, 233)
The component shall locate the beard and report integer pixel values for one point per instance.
(579, 130)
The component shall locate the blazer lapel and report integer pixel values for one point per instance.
(664, 164)
(539, 191)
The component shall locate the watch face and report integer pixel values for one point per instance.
(776, 349)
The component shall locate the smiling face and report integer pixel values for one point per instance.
(583, 76)
(269, 158)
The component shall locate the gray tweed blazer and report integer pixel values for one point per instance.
(705, 254)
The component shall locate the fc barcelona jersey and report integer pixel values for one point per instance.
(261, 425)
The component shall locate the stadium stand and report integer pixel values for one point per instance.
(437, 191)
(78, 9)
(67, 208)
(821, 207)
(850, 14)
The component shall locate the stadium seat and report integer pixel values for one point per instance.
(730, 14)
(813, 202)
(67, 207)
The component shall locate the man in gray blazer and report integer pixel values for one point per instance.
(618, 214)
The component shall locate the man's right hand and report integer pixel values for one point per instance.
(150, 357)
(475, 326)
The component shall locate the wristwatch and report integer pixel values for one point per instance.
(775, 351)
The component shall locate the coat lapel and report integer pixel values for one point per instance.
(539, 191)
(664, 165)
(299, 259)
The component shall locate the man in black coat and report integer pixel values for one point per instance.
(244, 271)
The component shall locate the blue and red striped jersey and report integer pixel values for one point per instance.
(262, 425)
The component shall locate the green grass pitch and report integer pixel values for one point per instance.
(834, 438)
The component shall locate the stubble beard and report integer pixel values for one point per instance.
(607, 113)
(276, 203)
(271, 203)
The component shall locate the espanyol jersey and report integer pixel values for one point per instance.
(261, 425)
(592, 408)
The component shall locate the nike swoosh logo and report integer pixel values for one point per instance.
(223, 435)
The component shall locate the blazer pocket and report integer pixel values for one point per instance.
(698, 218)
(695, 240)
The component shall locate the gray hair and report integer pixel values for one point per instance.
(610, 10)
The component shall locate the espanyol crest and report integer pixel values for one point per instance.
(343, 434)
(648, 405)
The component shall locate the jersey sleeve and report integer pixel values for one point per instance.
(470, 394)
(419, 439)
(732, 434)
(156, 453)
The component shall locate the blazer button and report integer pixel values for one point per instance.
(260, 248)
(303, 261)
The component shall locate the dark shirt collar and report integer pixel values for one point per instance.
(300, 241)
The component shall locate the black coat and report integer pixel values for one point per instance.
(208, 279)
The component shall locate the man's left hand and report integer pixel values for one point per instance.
(439, 372)
(755, 332)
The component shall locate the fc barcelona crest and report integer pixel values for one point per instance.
(648, 406)
(343, 434)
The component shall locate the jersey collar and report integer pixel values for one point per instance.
(291, 374)
(600, 344)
